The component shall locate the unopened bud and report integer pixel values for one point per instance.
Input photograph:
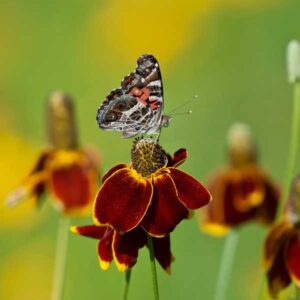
(61, 121)
(293, 61)
(241, 145)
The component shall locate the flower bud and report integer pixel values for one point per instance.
(61, 121)
(293, 61)
(241, 145)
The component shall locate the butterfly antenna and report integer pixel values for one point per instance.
(183, 113)
(195, 97)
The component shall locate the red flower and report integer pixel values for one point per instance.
(70, 176)
(124, 248)
(242, 192)
(149, 196)
(67, 172)
(151, 192)
(282, 246)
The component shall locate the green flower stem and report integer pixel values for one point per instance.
(60, 259)
(297, 293)
(127, 282)
(226, 265)
(293, 148)
(153, 267)
(262, 288)
(292, 156)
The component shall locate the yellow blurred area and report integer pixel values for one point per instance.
(132, 27)
(17, 158)
(164, 28)
(27, 272)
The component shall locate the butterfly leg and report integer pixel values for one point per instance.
(158, 136)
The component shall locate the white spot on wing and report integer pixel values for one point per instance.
(155, 83)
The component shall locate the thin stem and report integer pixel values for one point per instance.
(226, 265)
(153, 267)
(297, 293)
(127, 282)
(293, 148)
(60, 259)
(261, 291)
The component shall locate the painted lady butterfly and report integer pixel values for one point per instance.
(136, 107)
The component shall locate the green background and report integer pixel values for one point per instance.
(234, 62)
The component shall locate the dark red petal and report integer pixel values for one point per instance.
(38, 190)
(212, 215)
(105, 254)
(267, 211)
(162, 252)
(274, 241)
(126, 247)
(178, 158)
(166, 210)
(190, 191)
(249, 190)
(278, 275)
(41, 162)
(71, 186)
(113, 170)
(230, 205)
(293, 257)
(123, 200)
(92, 231)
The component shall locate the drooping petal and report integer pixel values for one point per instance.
(162, 252)
(190, 191)
(178, 158)
(212, 219)
(126, 247)
(278, 275)
(123, 200)
(105, 253)
(113, 170)
(92, 231)
(232, 215)
(33, 186)
(293, 257)
(166, 210)
(41, 161)
(71, 187)
(39, 187)
(249, 190)
(266, 213)
(274, 241)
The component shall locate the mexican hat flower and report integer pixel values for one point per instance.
(64, 170)
(282, 246)
(150, 192)
(149, 196)
(124, 248)
(242, 191)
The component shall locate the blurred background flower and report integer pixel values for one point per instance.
(242, 191)
(229, 52)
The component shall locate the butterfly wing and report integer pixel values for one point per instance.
(135, 107)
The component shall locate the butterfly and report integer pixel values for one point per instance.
(137, 106)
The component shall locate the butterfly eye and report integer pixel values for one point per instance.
(110, 117)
